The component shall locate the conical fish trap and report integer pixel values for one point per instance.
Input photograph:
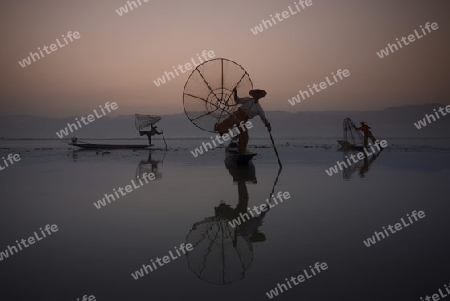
(208, 93)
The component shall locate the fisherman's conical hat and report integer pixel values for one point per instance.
(257, 92)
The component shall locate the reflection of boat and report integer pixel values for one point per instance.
(231, 151)
(353, 139)
(86, 145)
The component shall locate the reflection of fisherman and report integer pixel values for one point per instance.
(148, 166)
(249, 228)
(249, 108)
(154, 163)
(151, 133)
(367, 133)
(365, 168)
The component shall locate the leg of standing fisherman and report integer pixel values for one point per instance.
(243, 141)
(228, 123)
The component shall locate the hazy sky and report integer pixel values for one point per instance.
(118, 57)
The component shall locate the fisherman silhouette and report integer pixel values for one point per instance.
(249, 108)
(367, 133)
(153, 131)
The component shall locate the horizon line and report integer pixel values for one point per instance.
(182, 112)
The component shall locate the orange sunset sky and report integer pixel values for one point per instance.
(117, 58)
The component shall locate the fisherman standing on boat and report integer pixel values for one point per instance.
(367, 133)
(249, 108)
(151, 133)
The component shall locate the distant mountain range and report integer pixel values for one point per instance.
(390, 122)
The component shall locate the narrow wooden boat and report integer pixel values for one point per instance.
(109, 146)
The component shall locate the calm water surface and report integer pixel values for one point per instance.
(325, 220)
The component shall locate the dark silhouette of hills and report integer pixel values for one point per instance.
(389, 122)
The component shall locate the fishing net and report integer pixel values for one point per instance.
(143, 121)
(208, 93)
(220, 256)
(352, 136)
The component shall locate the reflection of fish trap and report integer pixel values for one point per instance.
(219, 256)
(146, 167)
